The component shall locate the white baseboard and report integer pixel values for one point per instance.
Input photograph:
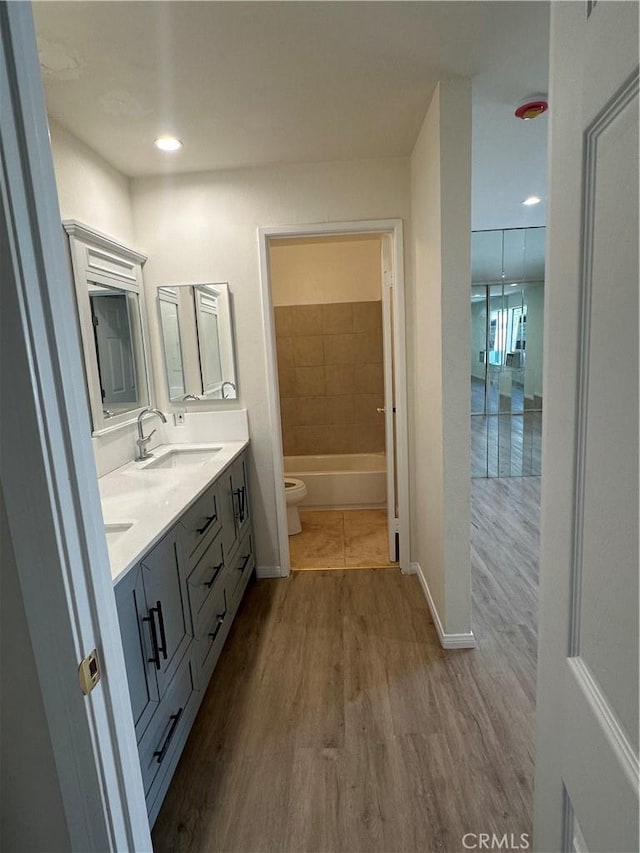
(269, 572)
(447, 641)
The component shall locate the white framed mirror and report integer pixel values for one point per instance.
(196, 327)
(111, 313)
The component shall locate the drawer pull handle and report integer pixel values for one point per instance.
(219, 623)
(154, 638)
(163, 636)
(175, 719)
(216, 571)
(244, 562)
(209, 520)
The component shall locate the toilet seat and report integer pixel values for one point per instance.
(294, 489)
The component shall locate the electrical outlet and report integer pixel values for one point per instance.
(178, 418)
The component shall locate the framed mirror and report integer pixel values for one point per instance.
(110, 300)
(196, 328)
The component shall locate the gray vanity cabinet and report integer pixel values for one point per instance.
(143, 687)
(176, 607)
(234, 500)
(167, 620)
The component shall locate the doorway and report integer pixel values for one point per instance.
(338, 420)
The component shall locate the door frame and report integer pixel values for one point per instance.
(392, 227)
(63, 571)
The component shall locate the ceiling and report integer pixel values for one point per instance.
(244, 84)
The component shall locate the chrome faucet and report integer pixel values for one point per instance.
(141, 441)
(222, 387)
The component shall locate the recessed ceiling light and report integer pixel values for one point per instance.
(533, 199)
(168, 143)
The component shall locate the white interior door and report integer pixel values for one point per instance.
(389, 394)
(587, 752)
(115, 354)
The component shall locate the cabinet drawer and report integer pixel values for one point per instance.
(205, 579)
(165, 727)
(201, 523)
(241, 568)
(213, 629)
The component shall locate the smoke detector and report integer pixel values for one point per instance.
(533, 107)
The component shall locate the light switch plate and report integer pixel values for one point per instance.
(178, 418)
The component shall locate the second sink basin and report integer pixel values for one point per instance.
(181, 458)
(113, 532)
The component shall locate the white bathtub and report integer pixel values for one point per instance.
(341, 481)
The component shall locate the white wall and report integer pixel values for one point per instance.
(29, 778)
(440, 212)
(204, 227)
(90, 189)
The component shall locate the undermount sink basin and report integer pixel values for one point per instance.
(181, 458)
(115, 531)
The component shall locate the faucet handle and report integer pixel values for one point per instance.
(153, 431)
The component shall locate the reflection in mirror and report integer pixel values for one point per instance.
(170, 329)
(507, 306)
(115, 317)
(111, 313)
(197, 337)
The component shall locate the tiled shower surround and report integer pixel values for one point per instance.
(331, 377)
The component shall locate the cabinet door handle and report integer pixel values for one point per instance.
(163, 637)
(219, 623)
(239, 493)
(216, 571)
(209, 520)
(175, 719)
(154, 639)
(244, 563)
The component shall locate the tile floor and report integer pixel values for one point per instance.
(337, 539)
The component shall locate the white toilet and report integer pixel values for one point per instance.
(295, 491)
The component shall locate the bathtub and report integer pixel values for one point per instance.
(341, 481)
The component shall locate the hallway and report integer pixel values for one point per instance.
(335, 721)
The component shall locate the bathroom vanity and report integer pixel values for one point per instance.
(181, 550)
(177, 523)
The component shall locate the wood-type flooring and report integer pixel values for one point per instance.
(335, 721)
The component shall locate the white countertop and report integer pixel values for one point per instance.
(152, 500)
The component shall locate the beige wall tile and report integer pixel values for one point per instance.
(340, 349)
(368, 378)
(371, 437)
(289, 441)
(342, 439)
(337, 318)
(287, 381)
(283, 315)
(308, 351)
(367, 317)
(284, 350)
(313, 439)
(288, 411)
(366, 406)
(369, 347)
(309, 382)
(307, 320)
(311, 411)
(339, 379)
(340, 410)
